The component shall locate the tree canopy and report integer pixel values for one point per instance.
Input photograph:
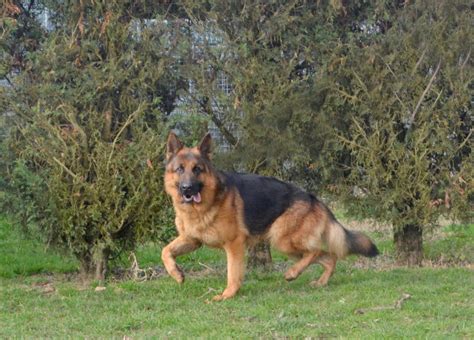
(368, 101)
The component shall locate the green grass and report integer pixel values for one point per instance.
(440, 306)
(457, 245)
(27, 256)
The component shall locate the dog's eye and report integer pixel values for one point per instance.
(180, 169)
(197, 170)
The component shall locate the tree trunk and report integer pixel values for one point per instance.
(94, 267)
(85, 269)
(409, 245)
(101, 265)
(260, 256)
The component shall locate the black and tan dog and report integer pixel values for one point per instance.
(232, 210)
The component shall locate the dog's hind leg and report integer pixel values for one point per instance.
(328, 261)
(179, 246)
(294, 271)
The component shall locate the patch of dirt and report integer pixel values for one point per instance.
(385, 262)
(135, 273)
(368, 226)
(44, 287)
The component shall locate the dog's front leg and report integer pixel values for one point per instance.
(235, 252)
(179, 246)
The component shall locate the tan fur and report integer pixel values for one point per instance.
(305, 230)
(336, 240)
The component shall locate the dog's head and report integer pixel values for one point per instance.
(188, 170)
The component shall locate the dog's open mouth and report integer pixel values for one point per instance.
(196, 198)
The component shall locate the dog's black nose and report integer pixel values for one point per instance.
(185, 187)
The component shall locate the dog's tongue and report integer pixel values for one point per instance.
(197, 197)
(193, 198)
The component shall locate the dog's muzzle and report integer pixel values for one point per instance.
(190, 192)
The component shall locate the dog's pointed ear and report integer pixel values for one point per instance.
(172, 146)
(205, 147)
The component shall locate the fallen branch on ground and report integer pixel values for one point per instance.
(137, 274)
(398, 305)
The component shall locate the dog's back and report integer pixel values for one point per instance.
(264, 198)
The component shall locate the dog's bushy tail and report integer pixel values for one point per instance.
(360, 244)
(342, 242)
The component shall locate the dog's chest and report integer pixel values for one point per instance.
(205, 228)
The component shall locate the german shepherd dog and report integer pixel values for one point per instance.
(233, 210)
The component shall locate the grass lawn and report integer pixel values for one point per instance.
(39, 297)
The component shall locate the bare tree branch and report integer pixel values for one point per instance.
(418, 62)
(65, 167)
(206, 107)
(430, 83)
